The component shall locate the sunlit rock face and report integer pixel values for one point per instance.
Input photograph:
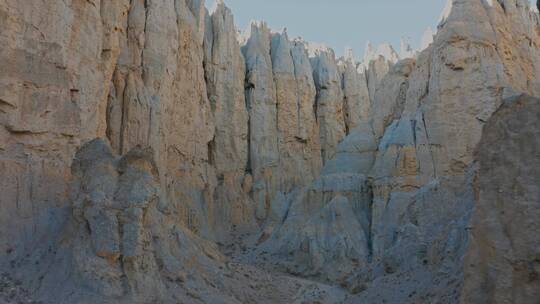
(298, 131)
(356, 102)
(228, 151)
(149, 153)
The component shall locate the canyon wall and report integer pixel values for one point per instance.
(359, 175)
(502, 263)
(413, 200)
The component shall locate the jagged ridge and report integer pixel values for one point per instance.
(250, 145)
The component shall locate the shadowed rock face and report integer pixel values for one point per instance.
(121, 244)
(359, 176)
(114, 202)
(503, 260)
(118, 242)
(329, 101)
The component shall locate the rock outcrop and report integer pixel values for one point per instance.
(329, 101)
(224, 164)
(356, 104)
(262, 105)
(285, 146)
(323, 231)
(299, 142)
(119, 245)
(225, 76)
(503, 260)
(137, 78)
(58, 65)
(426, 122)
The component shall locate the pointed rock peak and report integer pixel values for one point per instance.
(256, 29)
(300, 43)
(406, 51)
(388, 52)
(257, 24)
(427, 38)
(446, 11)
(369, 52)
(280, 51)
(221, 7)
(349, 55)
(385, 50)
(280, 35)
(280, 40)
(224, 12)
(315, 49)
(217, 5)
(361, 68)
(299, 40)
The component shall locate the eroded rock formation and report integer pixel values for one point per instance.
(503, 264)
(225, 75)
(232, 161)
(329, 100)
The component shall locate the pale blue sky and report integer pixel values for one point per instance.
(343, 23)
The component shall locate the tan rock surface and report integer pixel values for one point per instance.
(239, 136)
(299, 142)
(58, 60)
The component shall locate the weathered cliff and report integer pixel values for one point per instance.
(268, 152)
(502, 263)
(416, 196)
(228, 151)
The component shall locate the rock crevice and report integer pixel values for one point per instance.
(267, 149)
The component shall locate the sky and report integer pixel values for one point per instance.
(342, 24)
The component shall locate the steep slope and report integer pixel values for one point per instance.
(358, 179)
(427, 119)
(225, 73)
(502, 264)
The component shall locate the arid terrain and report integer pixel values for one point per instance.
(151, 153)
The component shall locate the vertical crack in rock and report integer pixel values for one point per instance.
(225, 77)
(262, 104)
(329, 101)
(356, 178)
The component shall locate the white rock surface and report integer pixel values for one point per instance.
(329, 103)
(356, 104)
(238, 137)
(225, 77)
(262, 107)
